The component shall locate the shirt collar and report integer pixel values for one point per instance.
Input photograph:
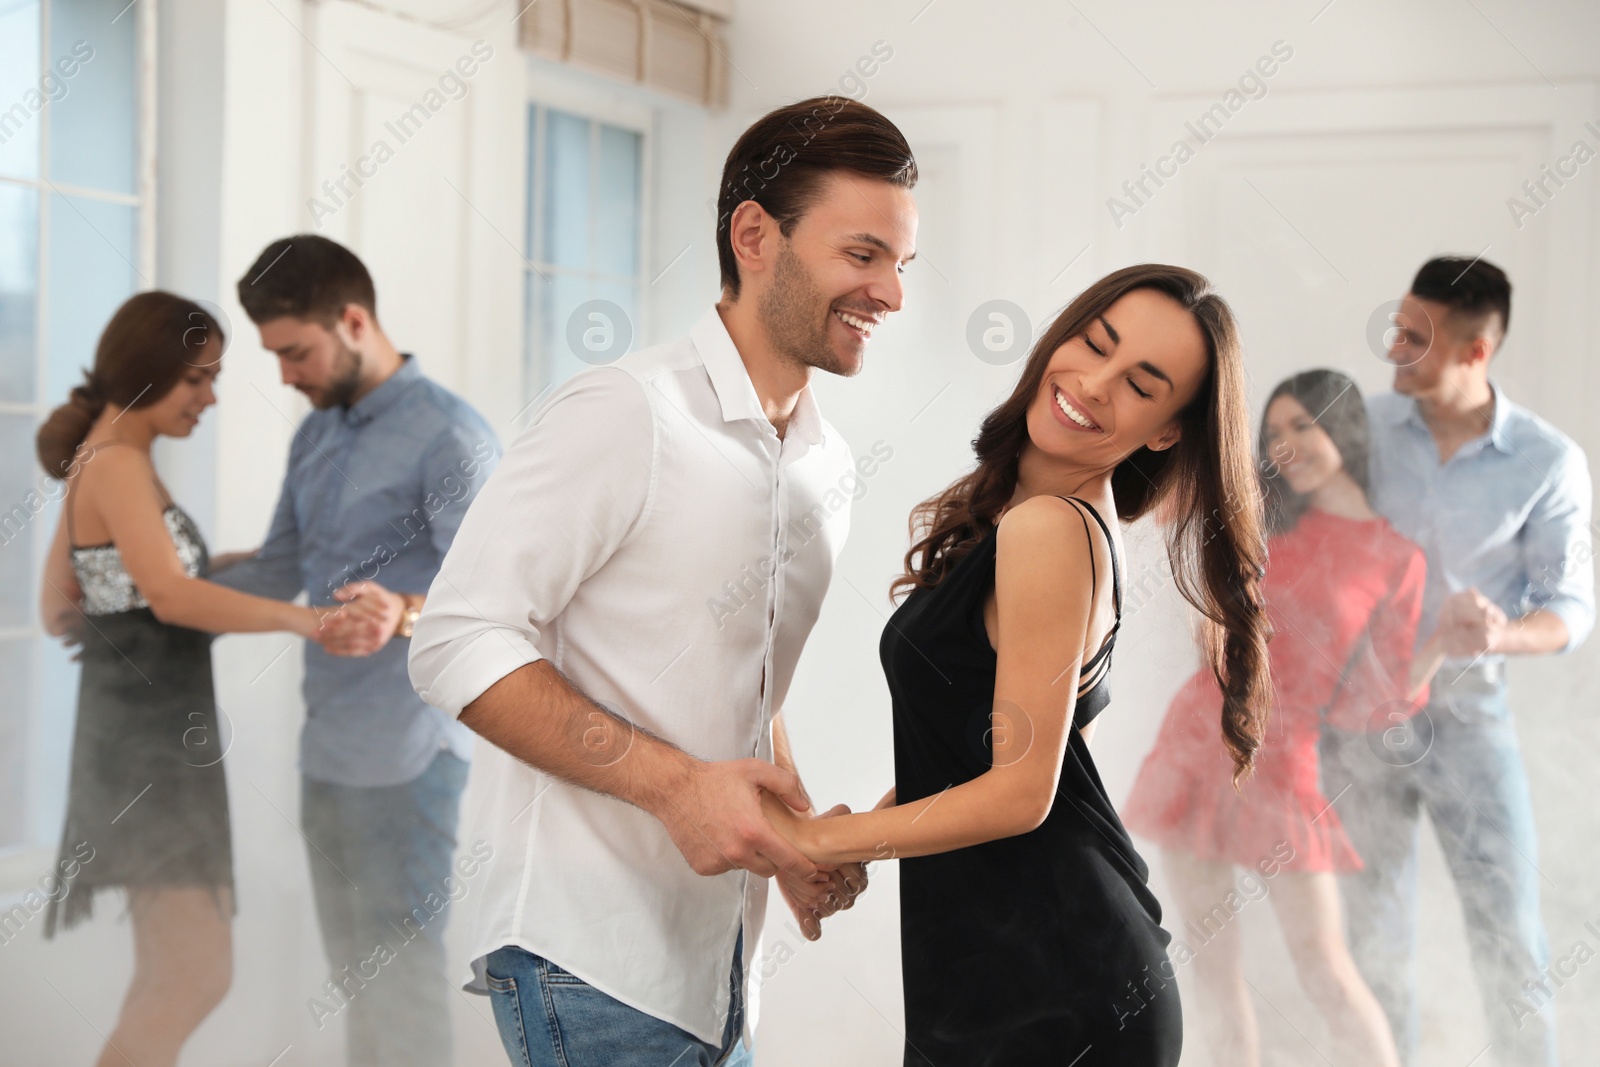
(1499, 435)
(731, 380)
(385, 394)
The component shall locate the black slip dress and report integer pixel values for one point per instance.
(1040, 949)
(148, 799)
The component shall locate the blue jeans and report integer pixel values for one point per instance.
(380, 870)
(551, 1018)
(1460, 762)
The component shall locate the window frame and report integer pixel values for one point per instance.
(21, 864)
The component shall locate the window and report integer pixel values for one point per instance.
(585, 247)
(75, 241)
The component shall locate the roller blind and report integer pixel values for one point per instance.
(669, 45)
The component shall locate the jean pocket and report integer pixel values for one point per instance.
(555, 974)
(507, 1004)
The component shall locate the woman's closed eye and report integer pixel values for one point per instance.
(1097, 350)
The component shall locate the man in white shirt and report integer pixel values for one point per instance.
(623, 607)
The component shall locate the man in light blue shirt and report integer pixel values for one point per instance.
(1499, 500)
(379, 477)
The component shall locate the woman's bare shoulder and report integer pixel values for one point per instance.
(1044, 529)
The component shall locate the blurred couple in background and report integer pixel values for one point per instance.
(379, 476)
(1416, 539)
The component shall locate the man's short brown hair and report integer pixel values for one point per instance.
(782, 159)
(306, 277)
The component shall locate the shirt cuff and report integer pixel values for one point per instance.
(1579, 621)
(482, 661)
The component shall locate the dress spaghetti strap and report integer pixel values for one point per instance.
(1116, 571)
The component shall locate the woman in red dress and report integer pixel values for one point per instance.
(1343, 592)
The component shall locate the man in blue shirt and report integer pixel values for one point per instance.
(1499, 500)
(379, 477)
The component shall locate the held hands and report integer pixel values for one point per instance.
(833, 888)
(1470, 624)
(713, 814)
(363, 622)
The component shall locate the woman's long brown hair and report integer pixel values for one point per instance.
(1205, 487)
(146, 347)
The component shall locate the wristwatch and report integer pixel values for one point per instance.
(408, 619)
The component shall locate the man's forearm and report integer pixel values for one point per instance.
(1536, 633)
(538, 716)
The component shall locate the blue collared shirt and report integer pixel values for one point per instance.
(1508, 513)
(374, 491)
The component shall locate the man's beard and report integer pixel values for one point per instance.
(346, 381)
(795, 315)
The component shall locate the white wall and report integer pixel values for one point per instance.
(1367, 155)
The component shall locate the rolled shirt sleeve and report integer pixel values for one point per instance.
(566, 495)
(1558, 550)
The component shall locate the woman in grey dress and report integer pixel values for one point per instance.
(148, 805)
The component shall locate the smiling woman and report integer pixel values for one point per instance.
(1025, 911)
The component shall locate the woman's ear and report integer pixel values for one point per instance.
(1166, 438)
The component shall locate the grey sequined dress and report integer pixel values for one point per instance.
(148, 802)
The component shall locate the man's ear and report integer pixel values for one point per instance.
(1480, 347)
(356, 324)
(747, 233)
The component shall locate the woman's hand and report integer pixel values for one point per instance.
(793, 826)
(317, 623)
(833, 888)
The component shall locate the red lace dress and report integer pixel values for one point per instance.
(1343, 596)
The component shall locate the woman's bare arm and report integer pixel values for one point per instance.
(125, 498)
(1043, 600)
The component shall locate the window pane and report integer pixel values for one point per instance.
(617, 213)
(20, 92)
(569, 341)
(94, 125)
(19, 290)
(21, 504)
(93, 246)
(17, 668)
(566, 189)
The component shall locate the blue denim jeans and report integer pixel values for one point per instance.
(551, 1018)
(1460, 762)
(380, 870)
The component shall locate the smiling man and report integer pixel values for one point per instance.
(379, 477)
(569, 623)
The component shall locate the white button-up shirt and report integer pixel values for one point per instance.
(653, 538)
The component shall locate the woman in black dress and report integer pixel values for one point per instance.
(148, 805)
(1028, 934)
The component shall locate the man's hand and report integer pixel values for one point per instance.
(1470, 624)
(222, 561)
(368, 617)
(713, 815)
(831, 889)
